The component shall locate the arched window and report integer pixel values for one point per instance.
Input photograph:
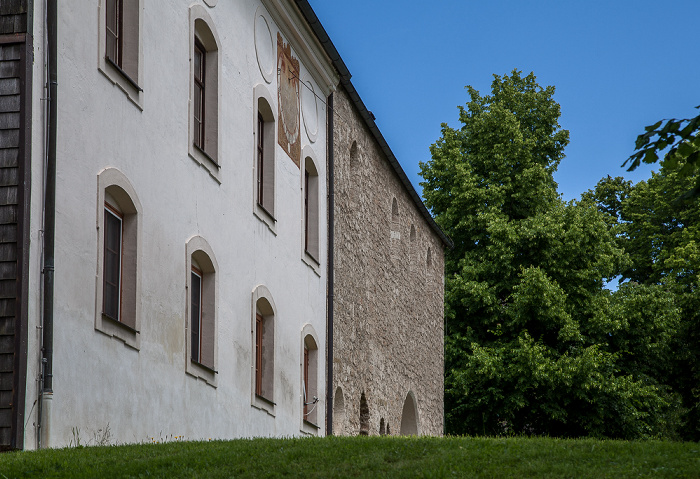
(409, 416)
(264, 156)
(204, 90)
(311, 210)
(263, 331)
(338, 412)
(364, 416)
(394, 211)
(201, 310)
(310, 394)
(354, 157)
(118, 293)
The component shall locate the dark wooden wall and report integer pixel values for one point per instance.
(15, 113)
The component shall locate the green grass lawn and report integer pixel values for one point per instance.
(364, 457)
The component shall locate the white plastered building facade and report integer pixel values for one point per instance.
(182, 147)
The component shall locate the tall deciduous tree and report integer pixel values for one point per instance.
(527, 345)
(659, 228)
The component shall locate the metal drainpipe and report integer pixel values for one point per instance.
(331, 231)
(49, 230)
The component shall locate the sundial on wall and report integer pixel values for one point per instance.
(288, 101)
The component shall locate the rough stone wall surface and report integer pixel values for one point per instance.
(388, 296)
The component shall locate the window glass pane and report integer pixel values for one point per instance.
(195, 303)
(112, 264)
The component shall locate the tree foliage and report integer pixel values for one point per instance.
(660, 231)
(682, 139)
(534, 342)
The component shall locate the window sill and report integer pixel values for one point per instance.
(313, 257)
(131, 81)
(265, 400)
(203, 366)
(311, 262)
(207, 156)
(119, 78)
(200, 371)
(263, 404)
(310, 424)
(266, 217)
(203, 159)
(115, 329)
(120, 324)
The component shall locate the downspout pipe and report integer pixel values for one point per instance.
(331, 232)
(49, 227)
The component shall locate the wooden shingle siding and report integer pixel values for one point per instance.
(13, 16)
(15, 75)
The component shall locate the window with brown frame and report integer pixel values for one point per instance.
(196, 315)
(200, 59)
(112, 273)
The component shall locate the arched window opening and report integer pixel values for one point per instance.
(118, 227)
(264, 349)
(338, 412)
(310, 377)
(202, 309)
(354, 160)
(364, 416)
(382, 430)
(201, 314)
(204, 90)
(265, 157)
(409, 417)
(311, 207)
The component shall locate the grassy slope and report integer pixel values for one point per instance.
(364, 457)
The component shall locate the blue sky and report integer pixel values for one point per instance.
(617, 65)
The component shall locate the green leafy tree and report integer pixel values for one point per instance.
(527, 346)
(682, 139)
(659, 229)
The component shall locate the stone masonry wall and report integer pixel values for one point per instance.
(388, 305)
